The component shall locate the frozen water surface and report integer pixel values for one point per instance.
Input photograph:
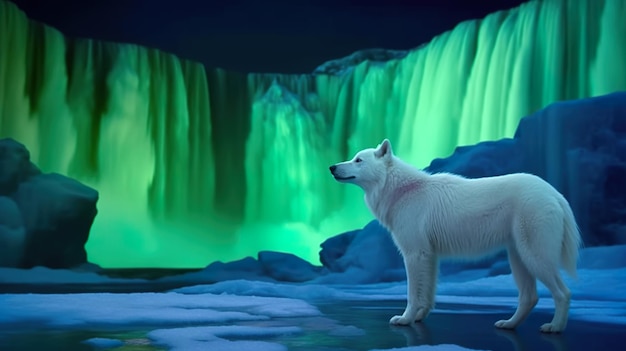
(253, 315)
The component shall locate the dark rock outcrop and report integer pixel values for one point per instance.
(287, 267)
(44, 218)
(363, 256)
(345, 64)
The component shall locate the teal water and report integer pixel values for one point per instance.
(71, 340)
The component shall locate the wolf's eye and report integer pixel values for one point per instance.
(358, 159)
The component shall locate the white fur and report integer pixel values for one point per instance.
(431, 216)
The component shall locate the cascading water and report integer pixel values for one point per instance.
(196, 165)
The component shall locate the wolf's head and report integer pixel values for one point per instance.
(368, 167)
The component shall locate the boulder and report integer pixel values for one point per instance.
(334, 248)
(12, 233)
(15, 165)
(270, 266)
(44, 218)
(364, 256)
(287, 267)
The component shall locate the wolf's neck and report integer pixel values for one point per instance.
(399, 183)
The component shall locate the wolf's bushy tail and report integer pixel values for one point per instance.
(572, 240)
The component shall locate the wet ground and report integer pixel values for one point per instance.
(364, 327)
(452, 324)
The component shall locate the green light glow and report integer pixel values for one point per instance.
(198, 165)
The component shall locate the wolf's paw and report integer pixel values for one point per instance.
(399, 320)
(550, 328)
(505, 324)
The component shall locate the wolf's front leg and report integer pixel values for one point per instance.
(421, 274)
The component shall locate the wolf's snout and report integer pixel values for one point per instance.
(332, 168)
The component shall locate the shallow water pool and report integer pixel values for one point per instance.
(358, 325)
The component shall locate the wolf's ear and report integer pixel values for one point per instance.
(384, 149)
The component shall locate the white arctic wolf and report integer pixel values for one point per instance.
(439, 215)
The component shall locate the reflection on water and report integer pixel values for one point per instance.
(554, 342)
(472, 330)
(415, 334)
(360, 325)
(65, 340)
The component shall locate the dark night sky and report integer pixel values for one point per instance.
(288, 36)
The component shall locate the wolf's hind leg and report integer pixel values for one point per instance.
(561, 295)
(527, 286)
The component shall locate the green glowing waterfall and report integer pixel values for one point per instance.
(198, 164)
(280, 184)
